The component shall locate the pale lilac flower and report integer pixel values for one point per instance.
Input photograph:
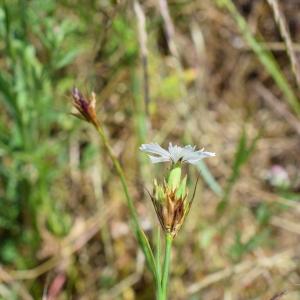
(174, 153)
(278, 177)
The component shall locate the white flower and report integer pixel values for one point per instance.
(175, 153)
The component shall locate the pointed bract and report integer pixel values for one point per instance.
(170, 200)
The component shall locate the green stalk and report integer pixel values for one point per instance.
(166, 267)
(120, 174)
(139, 233)
(158, 266)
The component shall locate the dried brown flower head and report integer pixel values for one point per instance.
(86, 107)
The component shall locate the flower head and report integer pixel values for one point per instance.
(174, 153)
(170, 198)
(86, 107)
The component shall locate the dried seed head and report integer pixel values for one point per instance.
(86, 107)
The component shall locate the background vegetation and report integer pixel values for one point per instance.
(217, 74)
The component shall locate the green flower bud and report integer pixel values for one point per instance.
(174, 178)
(181, 190)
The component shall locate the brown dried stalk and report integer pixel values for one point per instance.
(285, 33)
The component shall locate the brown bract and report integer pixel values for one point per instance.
(86, 107)
(172, 211)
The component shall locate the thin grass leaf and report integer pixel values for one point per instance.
(66, 58)
(209, 178)
(158, 253)
(243, 153)
(145, 245)
(139, 233)
(263, 54)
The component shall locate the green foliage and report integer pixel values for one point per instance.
(209, 178)
(243, 153)
(29, 148)
(240, 248)
(263, 214)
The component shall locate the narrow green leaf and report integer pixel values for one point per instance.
(263, 54)
(209, 178)
(146, 248)
(243, 152)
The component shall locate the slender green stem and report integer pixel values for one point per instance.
(158, 250)
(139, 233)
(158, 266)
(120, 173)
(166, 267)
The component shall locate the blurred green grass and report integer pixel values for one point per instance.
(31, 146)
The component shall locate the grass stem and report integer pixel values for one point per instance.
(139, 233)
(158, 264)
(166, 266)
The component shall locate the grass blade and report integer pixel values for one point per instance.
(243, 153)
(263, 54)
(209, 178)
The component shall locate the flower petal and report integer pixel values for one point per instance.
(154, 149)
(156, 160)
(194, 157)
(176, 152)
